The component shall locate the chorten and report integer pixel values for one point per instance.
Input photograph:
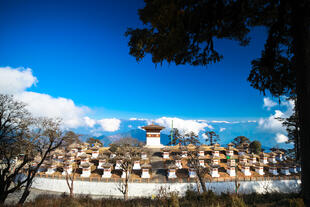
(153, 135)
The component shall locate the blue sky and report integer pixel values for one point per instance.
(77, 50)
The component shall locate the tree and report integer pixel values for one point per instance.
(293, 130)
(92, 141)
(212, 137)
(49, 137)
(71, 137)
(238, 141)
(23, 139)
(176, 137)
(193, 160)
(126, 152)
(183, 32)
(70, 177)
(256, 147)
(191, 138)
(128, 141)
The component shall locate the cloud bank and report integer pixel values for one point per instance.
(182, 124)
(274, 123)
(16, 81)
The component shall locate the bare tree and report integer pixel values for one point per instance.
(49, 137)
(194, 160)
(127, 153)
(22, 139)
(70, 177)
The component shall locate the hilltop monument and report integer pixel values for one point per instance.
(153, 135)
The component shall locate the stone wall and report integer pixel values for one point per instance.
(150, 189)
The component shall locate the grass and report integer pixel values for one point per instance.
(171, 199)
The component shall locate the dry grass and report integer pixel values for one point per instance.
(191, 199)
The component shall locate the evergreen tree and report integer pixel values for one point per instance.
(183, 32)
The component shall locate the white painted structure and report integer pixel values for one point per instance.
(136, 165)
(95, 153)
(192, 173)
(144, 156)
(145, 173)
(231, 170)
(216, 153)
(264, 160)
(260, 170)
(215, 172)
(118, 165)
(273, 170)
(153, 135)
(215, 161)
(171, 173)
(86, 171)
(202, 163)
(166, 155)
(151, 189)
(285, 171)
(67, 169)
(184, 154)
(230, 153)
(201, 153)
(272, 159)
(252, 160)
(124, 174)
(231, 162)
(178, 163)
(106, 172)
(279, 157)
(246, 170)
(51, 169)
(101, 162)
(293, 169)
(298, 168)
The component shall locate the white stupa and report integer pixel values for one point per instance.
(153, 136)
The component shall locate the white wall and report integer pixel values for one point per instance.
(149, 189)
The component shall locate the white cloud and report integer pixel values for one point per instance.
(183, 125)
(272, 123)
(89, 122)
(16, 80)
(204, 136)
(268, 103)
(137, 119)
(222, 129)
(45, 105)
(281, 138)
(109, 125)
(225, 122)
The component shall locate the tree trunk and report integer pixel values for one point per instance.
(126, 191)
(202, 183)
(24, 196)
(301, 48)
(3, 197)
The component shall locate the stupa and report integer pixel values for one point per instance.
(153, 136)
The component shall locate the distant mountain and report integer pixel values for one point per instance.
(226, 130)
(134, 133)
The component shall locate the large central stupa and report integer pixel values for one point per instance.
(153, 135)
